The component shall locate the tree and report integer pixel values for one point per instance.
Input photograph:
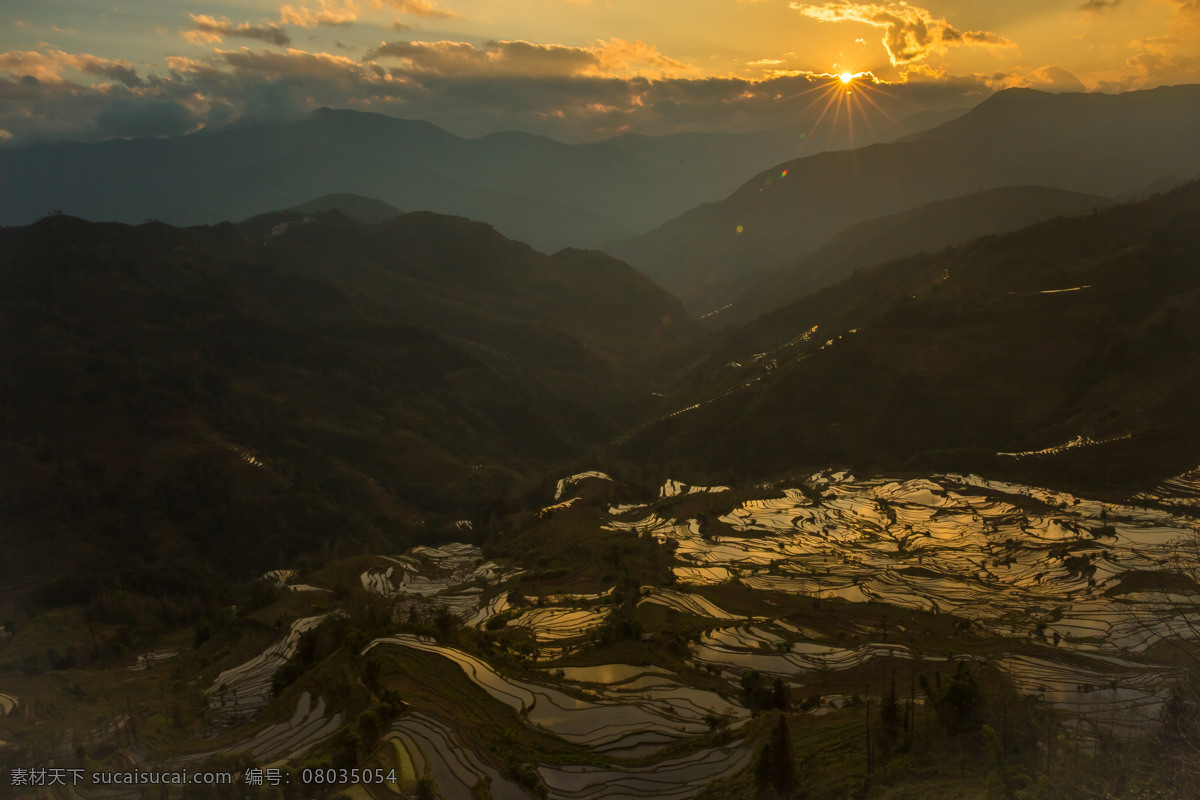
(345, 744)
(782, 772)
(779, 695)
(427, 789)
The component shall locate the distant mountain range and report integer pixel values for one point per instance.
(356, 207)
(531, 188)
(1071, 341)
(1085, 143)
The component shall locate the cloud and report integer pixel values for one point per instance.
(619, 55)
(293, 63)
(1173, 56)
(612, 57)
(49, 66)
(325, 12)
(417, 8)
(910, 34)
(571, 93)
(1165, 59)
(1055, 79)
(344, 12)
(1099, 5)
(210, 30)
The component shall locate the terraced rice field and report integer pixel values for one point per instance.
(558, 506)
(379, 581)
(685, 602)
(654, 687)
(489, 609)
(240, 693)
(147, 660)
(1070, 593)
(674, 488)
(424, 746)
(566, 483)
(308, 725)
(958, 544)
(280, 577)
(672, 779)
(1103, 693)
(431, 579)
(1182, 490)
(749, 647)
(636, 722)
(1020, 561)
(556, 624)
(1046, 569)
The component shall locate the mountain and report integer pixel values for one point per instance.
(223, 395)
(246, 169)
(529, 187)
(922, 121)
(363, 209)
(928, 228)
(1097, 144)
(1068, 341)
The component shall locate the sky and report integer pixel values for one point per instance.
(577, 70)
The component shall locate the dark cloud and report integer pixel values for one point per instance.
(118, 72)
(131, 118)
(1099, 5)
(209, 30)
(461, 58)
(49, 65)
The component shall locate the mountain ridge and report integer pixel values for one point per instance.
(1077, 327)
(535, 189)
(706, 255)
(927, 228)
(223, 392)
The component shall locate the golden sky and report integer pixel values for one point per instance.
(576, 69)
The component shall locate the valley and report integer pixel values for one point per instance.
(888, 491)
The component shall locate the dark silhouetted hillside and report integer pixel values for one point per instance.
(363, 209)
(926, 229)
(237, 395)
(1080, 327)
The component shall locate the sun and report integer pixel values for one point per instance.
(845, 77)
